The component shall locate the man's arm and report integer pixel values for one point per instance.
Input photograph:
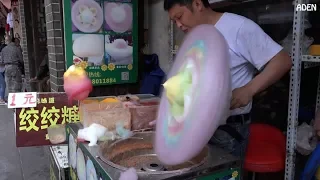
(43, 71)
(263, 53)
(276, 68)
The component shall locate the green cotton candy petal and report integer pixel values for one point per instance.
(186, 81)
(121, 131)
(108, 136)
(177, 108)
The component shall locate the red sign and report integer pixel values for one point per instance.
(51, 109)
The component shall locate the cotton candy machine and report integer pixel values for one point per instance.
(109, 159)
(137, 152)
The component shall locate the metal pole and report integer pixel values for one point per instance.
(294, 93)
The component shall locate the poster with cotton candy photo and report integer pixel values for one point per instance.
(102, 38)
(89, 16)
(119, 49)
(118, 17)
(89, 47)
(109, 25)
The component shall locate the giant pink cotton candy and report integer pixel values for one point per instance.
(77, 88)
(211, 96)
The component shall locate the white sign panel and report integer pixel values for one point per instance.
(22, 100)
(61, 155)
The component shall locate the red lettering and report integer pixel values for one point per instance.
(13, 100)
(28, 98)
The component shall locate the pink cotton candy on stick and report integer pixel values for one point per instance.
(77, 85)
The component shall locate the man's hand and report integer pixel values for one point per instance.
(241, 97)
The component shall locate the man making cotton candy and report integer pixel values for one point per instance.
(250, 49)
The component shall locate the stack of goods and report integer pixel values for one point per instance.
(313, 32)
(142, 111)
(104, 111)
(134, 112)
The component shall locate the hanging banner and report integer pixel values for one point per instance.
(32, 123)
(102, 37)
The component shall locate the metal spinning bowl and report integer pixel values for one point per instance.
(137, 152)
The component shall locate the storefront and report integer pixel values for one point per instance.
(85, 34)
(48, 31)
(103, 38)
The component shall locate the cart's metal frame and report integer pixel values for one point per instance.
(294, 92)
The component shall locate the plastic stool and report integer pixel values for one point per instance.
(266, 151)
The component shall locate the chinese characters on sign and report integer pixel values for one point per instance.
(22, 100)
(47, 117)
(32, 123)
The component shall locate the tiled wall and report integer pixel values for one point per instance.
(54, 16)
(24, 42)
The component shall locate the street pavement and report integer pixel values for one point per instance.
(30, 163)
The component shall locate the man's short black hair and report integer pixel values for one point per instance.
(168, 4)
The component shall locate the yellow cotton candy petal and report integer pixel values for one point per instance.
(75, 71)
(110, 100)
(173, 88)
